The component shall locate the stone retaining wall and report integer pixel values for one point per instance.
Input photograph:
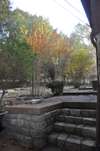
(31, 124)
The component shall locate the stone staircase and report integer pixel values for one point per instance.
(74, 130)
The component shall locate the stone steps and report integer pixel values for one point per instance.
(79, 130)
(74, 130)
(71, 142)
(51, 148)
(91, 113)
(86, 121)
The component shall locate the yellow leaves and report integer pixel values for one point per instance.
(58, 45)
(23, 30)
(80, 64)
(38, 39)
(37, 42)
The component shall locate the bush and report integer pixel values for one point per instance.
(95, 85)
(76, 84)
(56, 87)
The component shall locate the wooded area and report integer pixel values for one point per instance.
(24, 37)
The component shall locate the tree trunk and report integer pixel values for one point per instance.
(1, 101)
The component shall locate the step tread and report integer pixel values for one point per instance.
(74, 125)
(77, 120)
(79, 112)
(72, 138)
(77, 117)
(80, 130)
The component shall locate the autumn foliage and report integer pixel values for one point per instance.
(59, 56)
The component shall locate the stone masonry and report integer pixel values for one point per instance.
(31, 125)
(28, 125)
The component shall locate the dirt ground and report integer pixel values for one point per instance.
(8, 144)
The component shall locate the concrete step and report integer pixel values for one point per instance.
(80, 130)
(51, 148)
(71, 142)
(77, 120)
(79, 112)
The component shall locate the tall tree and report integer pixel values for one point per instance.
(59, 49)
(20, 55)
(4, 9)
(38, 38)
(4, 14)
(83, 51)
(80, 66)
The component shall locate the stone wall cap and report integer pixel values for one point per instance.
(49, 105)
(35, 108)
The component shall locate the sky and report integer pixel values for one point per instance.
(63, 15)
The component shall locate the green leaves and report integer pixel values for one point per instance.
(82, 59)
(32, 35)
(4, 9)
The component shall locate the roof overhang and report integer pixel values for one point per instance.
(86, 6)
(92, 10)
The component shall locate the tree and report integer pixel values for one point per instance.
(59, 50)
(20, 55)
(80, 66)
(38, 38)
(80, 37)
(4, 9)
(83, 58)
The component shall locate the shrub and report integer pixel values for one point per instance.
(95, 85)
(56, 87)
(76, 84)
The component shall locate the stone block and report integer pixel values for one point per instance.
(24, 131)
(27, 124)
(78, 130)
(49, 129)
(61, 118)
(88, 113)
(36, 118)
(88, 145)
(65, 111)
(89, 132)
(75, 112)
(20, 116)
(39, 142)
(38, 125)
(13, 121)
(23, 140)
(61, 139)
(53, 138)
(69, 128)
(59, 127)
(11, 116)
(89, 121)
(20, 122)
(72, 144)
(73, 120)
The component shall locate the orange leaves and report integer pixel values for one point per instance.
(37, 41)
(52, 47)
(59, 45)
(47, 42)
(38, 38)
